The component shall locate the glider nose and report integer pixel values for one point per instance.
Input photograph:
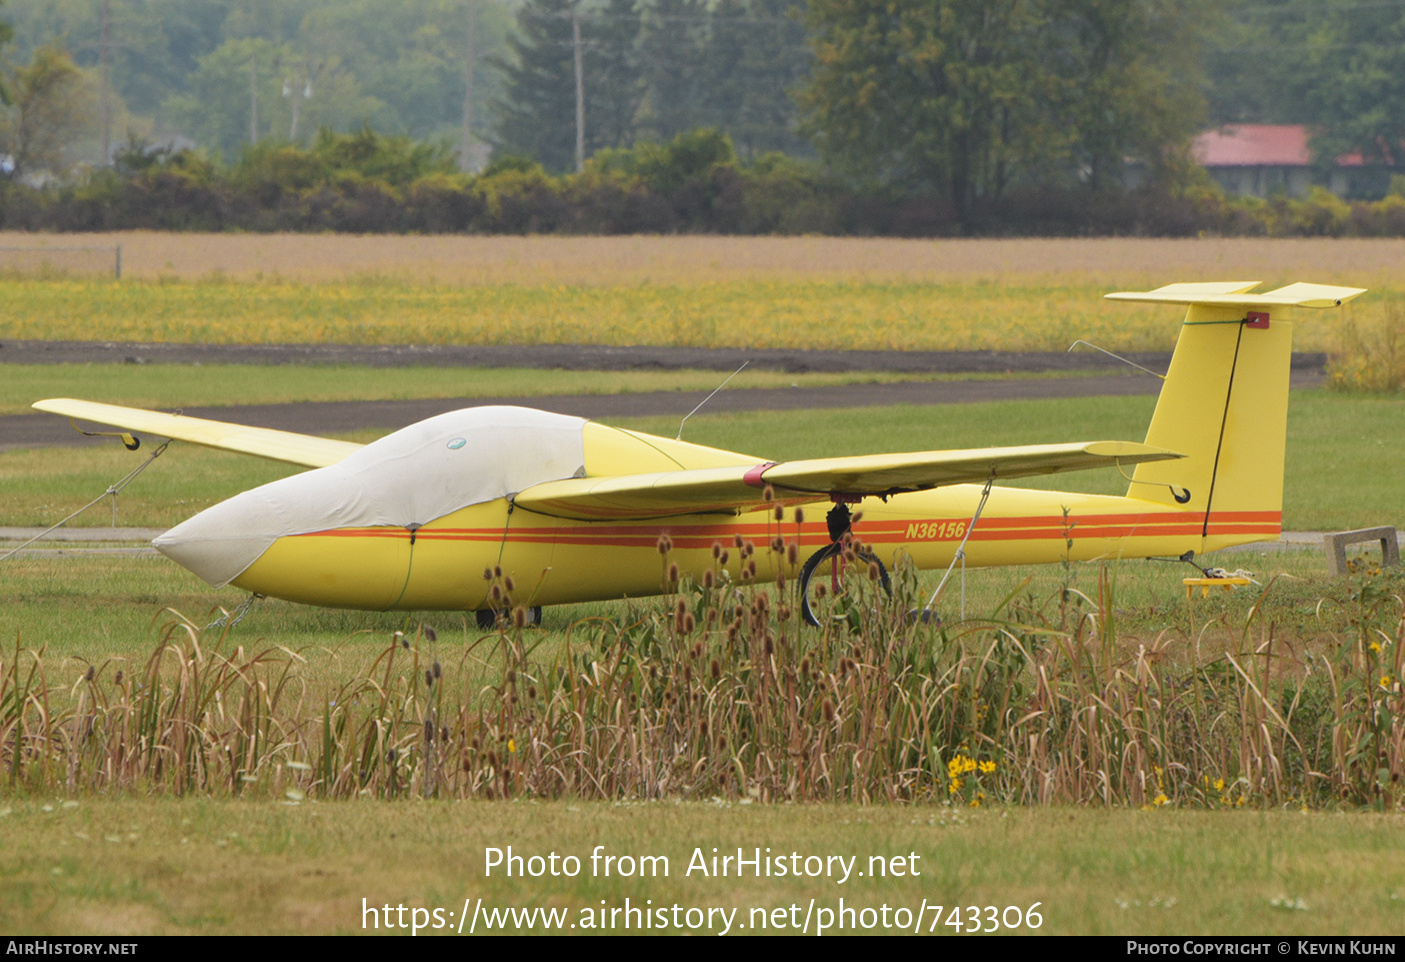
(219, 543)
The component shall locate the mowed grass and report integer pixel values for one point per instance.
(1345, 462)
(173, 386)
(706, 292)
(171, 866)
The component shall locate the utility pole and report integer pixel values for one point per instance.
(580, 86)
(105, 56)
(298, 89)
(466, 142)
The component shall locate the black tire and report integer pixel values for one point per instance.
(488, 618)
(824, 554)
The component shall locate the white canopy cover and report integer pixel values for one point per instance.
(405, 479)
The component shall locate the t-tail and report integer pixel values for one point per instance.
(1224, 405)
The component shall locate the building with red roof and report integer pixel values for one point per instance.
(1266, 159)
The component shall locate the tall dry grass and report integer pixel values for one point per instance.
(1369, 355)
(719, 691)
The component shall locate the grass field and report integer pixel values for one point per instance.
(169, 386)
(280, 861)
(707, 292)
(172, 866)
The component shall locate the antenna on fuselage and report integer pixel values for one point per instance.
(706, 399)
(1110, 354)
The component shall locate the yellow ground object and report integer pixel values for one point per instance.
(558, 510)
(1205, 584)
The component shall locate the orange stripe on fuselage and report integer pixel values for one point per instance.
(877, 531)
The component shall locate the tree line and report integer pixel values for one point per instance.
(935, 116)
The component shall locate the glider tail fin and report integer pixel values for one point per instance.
(1224, 405)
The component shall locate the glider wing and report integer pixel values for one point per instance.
(301, 449)
(735, 489)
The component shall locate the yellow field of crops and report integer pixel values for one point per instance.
(694, 291)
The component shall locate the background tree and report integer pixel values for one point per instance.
(674, 50)
(614, 77)
(776, 61)
(963, 98)
(927, 96)
(50, 107)
(535, 116)
(7, 33)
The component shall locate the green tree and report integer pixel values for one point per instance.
(1351, 80)
(674, 47)
(614, 76)
(535, 115)
(7, 33)
(248, 90)
(50, 107)
(776, 60)
(927, 96)
(1128, 82)
(964, 97)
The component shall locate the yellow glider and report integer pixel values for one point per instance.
(571, 510)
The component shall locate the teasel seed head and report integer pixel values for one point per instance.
(430, 634)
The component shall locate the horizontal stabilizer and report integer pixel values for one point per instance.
(1236, 294)
(300, 449)
(733, 489)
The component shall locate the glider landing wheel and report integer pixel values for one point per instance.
(834, 554)
(488, 618)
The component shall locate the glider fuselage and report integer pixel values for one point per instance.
(556, 560)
